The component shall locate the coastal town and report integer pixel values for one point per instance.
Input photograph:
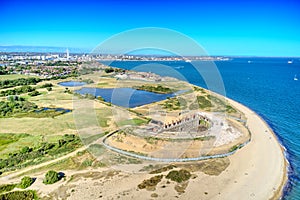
(49, 64)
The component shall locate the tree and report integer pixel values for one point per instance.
(25, 149)
(109, 70)
(51, 177)
(26, 181)
(67, 90)
(61, 142)
(49, 89)
(34, 93)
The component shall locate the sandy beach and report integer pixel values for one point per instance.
(258, 170)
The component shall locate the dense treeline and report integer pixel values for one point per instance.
(46, 85)
(18, 107)
(30, 155)
(17, 91)
(25, 89)
(19, 82)
(15, 105)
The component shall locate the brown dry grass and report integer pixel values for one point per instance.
(210, 167)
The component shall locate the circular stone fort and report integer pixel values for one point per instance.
(191, 136)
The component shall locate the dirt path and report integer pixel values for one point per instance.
(4, 179)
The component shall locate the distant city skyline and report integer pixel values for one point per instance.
(254, 28)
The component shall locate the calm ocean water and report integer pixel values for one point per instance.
(266, 85)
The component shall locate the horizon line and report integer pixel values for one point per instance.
(87, 50)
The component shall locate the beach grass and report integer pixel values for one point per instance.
(11, 142)
(24, 195)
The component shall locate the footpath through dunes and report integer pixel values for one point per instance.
(258, 170)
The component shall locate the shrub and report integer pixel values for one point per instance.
(51, 177)
(109, 70)
(7, 187)
(87, 163)
(150, 183)
(179, 176)
(46, 85)
(34, 93)
(100, 98)
(26, 181)
(24, 195)
(163, 169)
(25, 149)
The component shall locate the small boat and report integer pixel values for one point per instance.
(188, 61)
(179, 67)
(295, 78)
(249, 61)
(290, 62)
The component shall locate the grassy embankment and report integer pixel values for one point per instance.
(198, 99)
(15, 156)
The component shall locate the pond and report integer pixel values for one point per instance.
(125, 97)
(63, 110)
(71, 83)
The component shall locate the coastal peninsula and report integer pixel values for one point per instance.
(193, 144)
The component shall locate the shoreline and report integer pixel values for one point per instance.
(279, 192)
(264, 155)
(264, 151)
(258, 170)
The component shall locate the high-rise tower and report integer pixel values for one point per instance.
(68, 56)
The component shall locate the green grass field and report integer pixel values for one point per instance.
(134, 121)
(14, 76)
(6, 140)
(63, 124)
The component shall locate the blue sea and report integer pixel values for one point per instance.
(266, 85)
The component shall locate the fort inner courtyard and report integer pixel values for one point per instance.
(194, 135)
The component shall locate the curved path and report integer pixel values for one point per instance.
(12, 175)
(169, 159)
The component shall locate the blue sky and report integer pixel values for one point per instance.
(253, 28)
